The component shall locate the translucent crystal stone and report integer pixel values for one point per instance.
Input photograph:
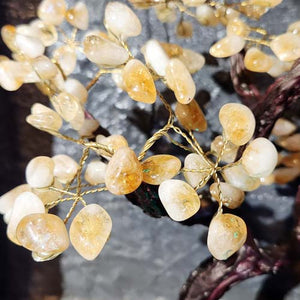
(44, 67)
(88, 128)
(286, 46)
(227, 46)
(227, 233)
(268, 180)
(279, 67)
(253, 11)
(47, 195)
(90, 230)
(7, 200)
(29, 46)
(25, 204)
(52, 11)
(184, 29)
(138, 82)
(283, 127)
(206, 15)
(192, 60)
(229, 153)
(291, 143)
(156, 57)
(44, 118)
(47, 32)
(239, 178)
(66, 105)
(76, 89)
(179, 199)
(78, 16)
(225, 14)
(40, 232)
(124, 172)
(238, 123)
(180, 81)
(66, 57)
(191, 116)
(43, 256)
(65, 167)
(118, 80)
(39, 172)
(291, 160)
(104, 52)
(95, 172)
(200, 169)
(165, 14)
(159, 168)
(121, 20)
(78, 121)
(285, 175)
(8, 35)
(193, 3)
(237, 27)
(294, 27)
(257, 61)
(231, 196)
(114, 142)
(172, 50)
(265, 3)
(10, 78)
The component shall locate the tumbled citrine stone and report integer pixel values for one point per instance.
(285, 175)
(291, 143)
(124, 172)
(104, 52)
(48, 195)
(48, 32)
(286, 46)
(238, 27)
(113, 142)
(260, 158)
(192, 60)
(294, 27)
(52, 11)
(65, 168)
(172, 49)
(90, 231)
(78, 16)
(180, 81)
(25, 204)
(179, 199)
(265, 3)
(138, 82)
(227, 46)
(257, 61)
(283, 127)
(291, 160)
(159, 168)
(227, 233)
(238, 123)
(196, 169)
(43, 233)
(165, 14)
(229, 152)
(8, 34)
(206, 15)
(184, 29)
(238, 177)
(66, 57)
(95, 172)
(191, 116)
(231, 196)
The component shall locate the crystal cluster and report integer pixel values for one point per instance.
(117, 168)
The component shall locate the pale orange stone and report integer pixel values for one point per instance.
(52, 11)
(124, 172)
(285, 175)
(180, 81)
(47, 33)
(227, 233)
(238, 123)
(237, 27)
(90, 231)
(229, 152)
(257, 61)
(138, 82)
(192, 60)
(66, 57)
(253, 11)
(291, 160)
(179, 199)
(265, 3)
(159, 168)
(165, 14)
(43, 233)
(8, 35)
(291, 143)
(65, 168)
(47, 195)
(95, 172)
(191, 116)
(114, 142)
(184, 29)
(78, 16)
(294, 27)
(172, 49)
(228, 46)
(283, 127)
(232, 197)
